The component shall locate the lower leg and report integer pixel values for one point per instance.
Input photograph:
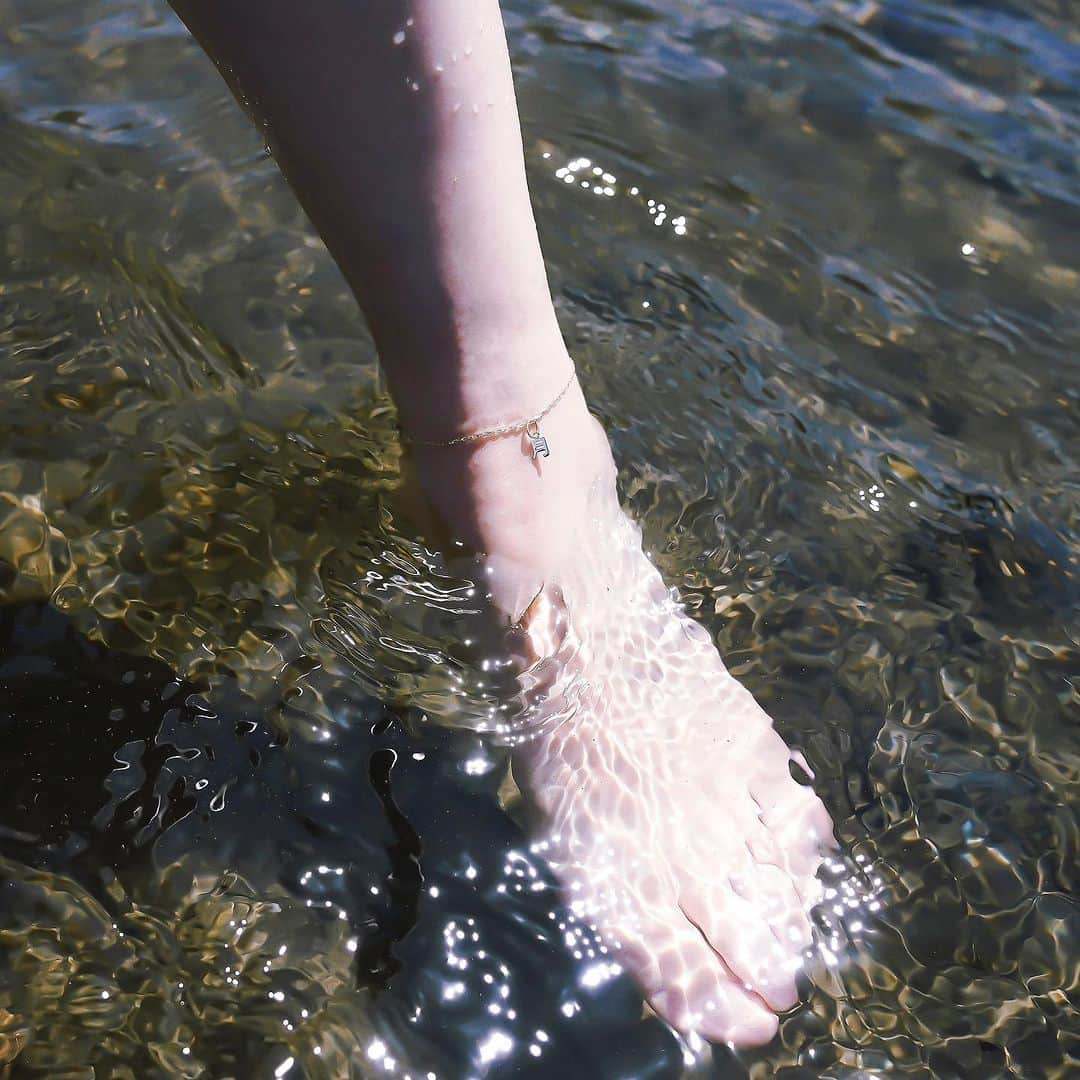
(395, 122)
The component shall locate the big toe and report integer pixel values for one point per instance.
(757, 947)
(687, 983)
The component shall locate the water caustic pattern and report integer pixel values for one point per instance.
(705, 896)
(827, 314)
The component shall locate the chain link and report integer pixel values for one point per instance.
(504, 429)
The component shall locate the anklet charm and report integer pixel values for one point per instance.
(539, 443)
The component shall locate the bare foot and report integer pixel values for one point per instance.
(664, 798)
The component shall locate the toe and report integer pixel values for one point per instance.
(724, 1012)
(688, 986)
(780, 885)
(793, 813)
(792, 831)
(755, 952)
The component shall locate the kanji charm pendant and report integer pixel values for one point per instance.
(539, 443)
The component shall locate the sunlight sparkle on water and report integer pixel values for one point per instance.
(497, 1044)
(582, 172)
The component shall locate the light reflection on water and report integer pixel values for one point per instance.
(844, 402)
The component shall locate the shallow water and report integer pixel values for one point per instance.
(827, 314)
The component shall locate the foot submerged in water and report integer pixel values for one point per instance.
(667, 806)
(664, 798)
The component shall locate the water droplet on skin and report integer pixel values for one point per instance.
(399, 38)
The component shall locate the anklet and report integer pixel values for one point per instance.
(530, 427)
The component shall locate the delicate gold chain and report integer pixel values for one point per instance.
(529, 426)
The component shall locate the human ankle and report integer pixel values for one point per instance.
(496, 499)
(488, 377)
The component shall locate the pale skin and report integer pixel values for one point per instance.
(665, 801)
